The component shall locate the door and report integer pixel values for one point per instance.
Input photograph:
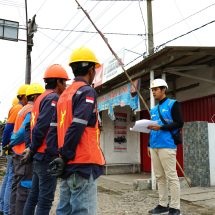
(144, 140)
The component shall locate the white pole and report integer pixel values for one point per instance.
(152, 104)
(163, 76)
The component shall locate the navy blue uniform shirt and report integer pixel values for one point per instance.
(46, 127)
(84, 115)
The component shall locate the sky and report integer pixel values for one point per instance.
(71, 29)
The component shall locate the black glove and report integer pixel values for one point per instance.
(6, 150)
(56, 167)
(27, 156)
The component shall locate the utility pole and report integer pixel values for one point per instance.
(31, 28)
(150, 51)
(150, 37)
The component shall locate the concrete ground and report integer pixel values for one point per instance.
(116, 196)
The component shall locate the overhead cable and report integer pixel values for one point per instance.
(143, 22)
(182, 35)
(92, 32)
(41, 6)
(188, 25)
(52, 51)
(184, 19)
(11, 3)
(115, 55)
(78, 36)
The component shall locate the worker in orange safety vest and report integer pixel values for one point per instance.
(78, 139)
(19, 142)
(6, 149)
(43, 147)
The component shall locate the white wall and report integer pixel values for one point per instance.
(132, 155)
(204, 89)
(211, 137)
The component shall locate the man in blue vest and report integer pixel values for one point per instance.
(163, 148)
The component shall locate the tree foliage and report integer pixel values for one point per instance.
(2, 125)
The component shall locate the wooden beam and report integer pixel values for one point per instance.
(191, 76)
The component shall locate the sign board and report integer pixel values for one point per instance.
(9, 30)
(121, 96)
(108, 70)
(111, 70)
(120, 132)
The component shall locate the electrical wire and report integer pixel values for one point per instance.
(181, 14)
(110, 21)
(41, 7)
(60, 44)
(52, 51)
(182, 35)
(78, 37)
(119, 13)
(20, 80)
(91, 32)
(11, 3)
(41, 53)
(143, 22)
(170, 26)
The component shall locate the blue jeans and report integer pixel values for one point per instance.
(42, 191)
(78, 196)
(6, 187)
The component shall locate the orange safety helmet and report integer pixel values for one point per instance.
(56, 71)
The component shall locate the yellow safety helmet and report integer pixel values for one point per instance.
(83, 54)
(22, 90)
(15, 101)
(34, 89)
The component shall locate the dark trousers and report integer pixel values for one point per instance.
(19, 194)
(42, 191)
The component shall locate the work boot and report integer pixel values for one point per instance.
(159, 210)
(173, 211)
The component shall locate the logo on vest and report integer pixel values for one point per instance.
(33, 118)
(63, 114)
(164, 110)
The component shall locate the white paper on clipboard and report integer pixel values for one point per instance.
(141, 125)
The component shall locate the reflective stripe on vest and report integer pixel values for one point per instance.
(34, 115)
(88, 149)
(19, 149)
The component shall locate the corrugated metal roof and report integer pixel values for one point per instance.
(175, 58)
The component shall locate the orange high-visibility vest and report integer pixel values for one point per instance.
(34, 115)
(19, 149)
(13, 113)
(88, 150)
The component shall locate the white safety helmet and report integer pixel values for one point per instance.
(158, 83)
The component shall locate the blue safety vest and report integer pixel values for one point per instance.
(160, 138)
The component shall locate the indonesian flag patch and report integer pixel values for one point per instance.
(53, 104)
(90, 99)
